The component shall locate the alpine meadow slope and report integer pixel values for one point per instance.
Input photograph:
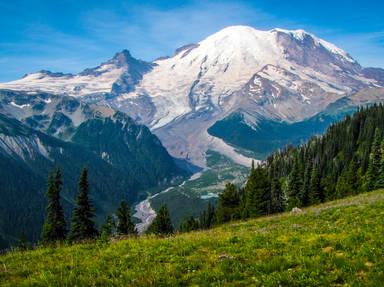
(336, 243)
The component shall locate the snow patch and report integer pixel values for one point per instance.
(19, 106)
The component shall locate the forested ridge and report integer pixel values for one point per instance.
(348, 159)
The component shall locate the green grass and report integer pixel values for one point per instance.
(339, 243)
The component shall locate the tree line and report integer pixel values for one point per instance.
(348, 159)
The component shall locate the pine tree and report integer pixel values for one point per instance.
(189, 224)
(207, 217)
(124, 222)
(277, 195)
(107, 229)
(54, 228)
(295, 185)
(229, 203)
(83, 226)
(374, 162)
(162, 224)
(257, 189)
(380, 177)
(352, 177)
(342, 186)
(305, 195)
(315, 194)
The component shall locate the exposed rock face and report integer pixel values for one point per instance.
(374, 73)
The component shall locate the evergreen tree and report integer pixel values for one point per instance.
(374, 162)
(277, 195)
(305, 195)
(352, 177)
(162, 224)
(207, 217)
(83, 226)
(257, 189)
(295, 185)
(228, 206)
(125, 225)
(315, 194)
(380, 177)
(54, 228)
(189, 224)
(108, 228)
(342, 186)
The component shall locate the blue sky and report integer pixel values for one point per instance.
(69, 35)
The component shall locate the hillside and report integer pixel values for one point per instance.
(336, 243)
(124, 168)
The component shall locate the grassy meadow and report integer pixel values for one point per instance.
(339, 243)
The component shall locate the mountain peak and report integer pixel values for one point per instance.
(248, 36)
(122, 58)
(299, 34)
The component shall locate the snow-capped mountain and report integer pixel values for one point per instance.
(278, 74)
(120, 74)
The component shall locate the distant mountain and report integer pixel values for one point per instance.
(125, 160)
(278, 75)
(120, 74)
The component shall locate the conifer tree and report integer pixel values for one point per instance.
(162, 224)
(342, 186)
(257, 189)
(124, 222)
(315, 194)
(277, 195)
(229, 204)
(189, 224)
(54, 228)
(207, 217)
(374, 161)
(108, 228)
(380, 177)
(83, 226)
(295, 185)
(352, 177)
(305, 195)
